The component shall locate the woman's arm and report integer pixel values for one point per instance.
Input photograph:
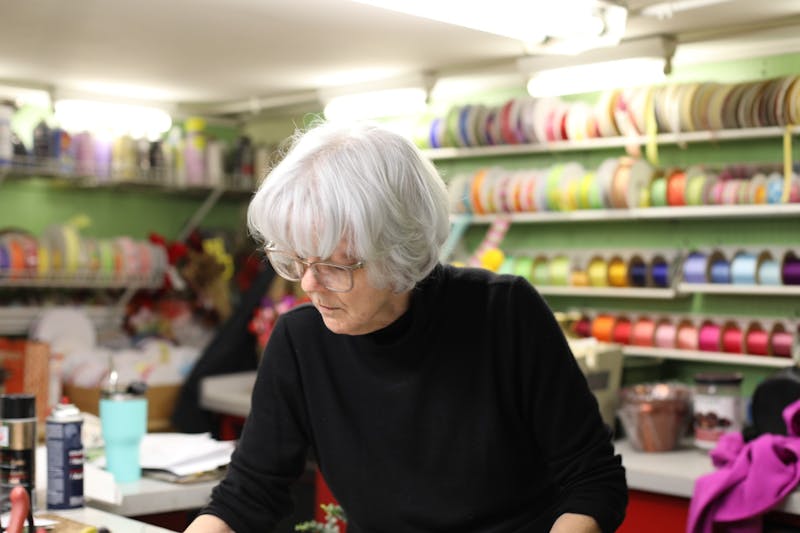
(208, 523)
(575, 523)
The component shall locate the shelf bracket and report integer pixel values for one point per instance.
(201, 213)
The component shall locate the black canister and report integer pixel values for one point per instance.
(17, 446)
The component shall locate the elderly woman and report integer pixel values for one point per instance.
(434, 398)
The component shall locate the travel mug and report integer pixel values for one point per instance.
(123, 420)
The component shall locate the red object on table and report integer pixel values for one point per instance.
(20, 505)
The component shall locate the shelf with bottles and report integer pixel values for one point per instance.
(675, 113)
(754, 341)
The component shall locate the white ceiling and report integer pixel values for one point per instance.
(194, 51)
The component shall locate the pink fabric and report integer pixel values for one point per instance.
(751, 478)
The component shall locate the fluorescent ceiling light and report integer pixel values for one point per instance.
(24, 96)
(111, 119)
(638, 62)
(530, 21)
(374, 104)
(597, 77)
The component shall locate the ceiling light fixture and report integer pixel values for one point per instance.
(112, 119)
(379, 99)
(632, 63)
(665, 10)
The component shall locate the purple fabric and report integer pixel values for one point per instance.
(751, 479)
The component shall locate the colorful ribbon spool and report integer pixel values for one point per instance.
(676, 188)
(732, 338)
(781, 341)
(637, 272)
(665, 335)
(659, 272)
(617, 272)
(5, 260)
(523, 266)
(541, 272)
(583, 327)
(790, 271)
(686, 337)
(603, 327)
(621, 334)
(719, 271)
(709, 338)
(560, 270)
(598, 272)
(744, 267)
(643, 332)
(757, 340)
(769, 272)
(694, 268)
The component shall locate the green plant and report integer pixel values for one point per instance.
(333, 515)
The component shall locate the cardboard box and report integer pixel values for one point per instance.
(160, 403)
(26, 369)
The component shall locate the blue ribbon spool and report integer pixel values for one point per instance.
(5, 260)
(743, 269)
(769, 272)
(638, 274)
(659, 272)
(694, 268)
(720, 271)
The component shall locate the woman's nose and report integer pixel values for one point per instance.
(309, 281)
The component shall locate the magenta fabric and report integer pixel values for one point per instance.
(751, 478)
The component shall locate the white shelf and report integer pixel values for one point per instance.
(607, 142)
(611, 292)
(17, 320)
(78, 283)
(645, 213)
(728, 288)
(709, 357)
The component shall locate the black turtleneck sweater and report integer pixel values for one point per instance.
(468, 414)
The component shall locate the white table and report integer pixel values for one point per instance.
(115, 523)
(228, 394)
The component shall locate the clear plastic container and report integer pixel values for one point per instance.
(655, 416)
(717, 407)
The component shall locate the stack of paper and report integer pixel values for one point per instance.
(183, 455)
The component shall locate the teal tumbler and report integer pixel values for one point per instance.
(123, 419)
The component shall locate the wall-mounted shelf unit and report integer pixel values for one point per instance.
(727, 288)
(610, 292)
(708, 357)
(608, 142)
(17, 320)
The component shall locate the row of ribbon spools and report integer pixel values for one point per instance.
(591, 269)
(743, 267)
(735, 336)
(617, 183)
(62, 254)
(674, 108)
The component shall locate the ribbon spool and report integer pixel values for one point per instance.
(486, 192)
(676, 188)
(659, 272)
(501, 198)
(643, 332)
(570, 186)
(475, 191)
(617, 272)
(456, 189)
(637, 192)
(709, 338)
(621, 333)
(598, 272)
(756, 340)
(579, 278)
(605, 177)
(769, 271)
(781, 341)
(658, 192)
(744, 267)
(620, 183)
(719, 269)
(64, 245)
(790, 271)
(603, 327)
(583, 327)
(665, 334)
(541, 271)
(5, 260)
(694, 268)
(637, 272)
(732, 338)
(15, 256)
(107, 256)
(757, 192)
(686, 337)
(560, 269)
(523, 266)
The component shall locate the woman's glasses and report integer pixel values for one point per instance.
(335, 278)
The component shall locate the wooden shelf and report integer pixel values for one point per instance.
(709, 357)
(605, 143)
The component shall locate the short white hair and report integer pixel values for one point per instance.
(363, 183)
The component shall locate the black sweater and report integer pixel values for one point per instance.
(467, 414)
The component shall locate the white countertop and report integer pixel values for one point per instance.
(115, 523)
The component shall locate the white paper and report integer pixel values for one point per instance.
(183, 453)
(99, 484)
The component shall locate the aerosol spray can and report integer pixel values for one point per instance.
(64, 457)
(17, 446)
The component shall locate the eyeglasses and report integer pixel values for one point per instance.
(335, 278)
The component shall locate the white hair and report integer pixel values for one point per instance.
(362, 183)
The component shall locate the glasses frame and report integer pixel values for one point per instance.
(270, 249)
